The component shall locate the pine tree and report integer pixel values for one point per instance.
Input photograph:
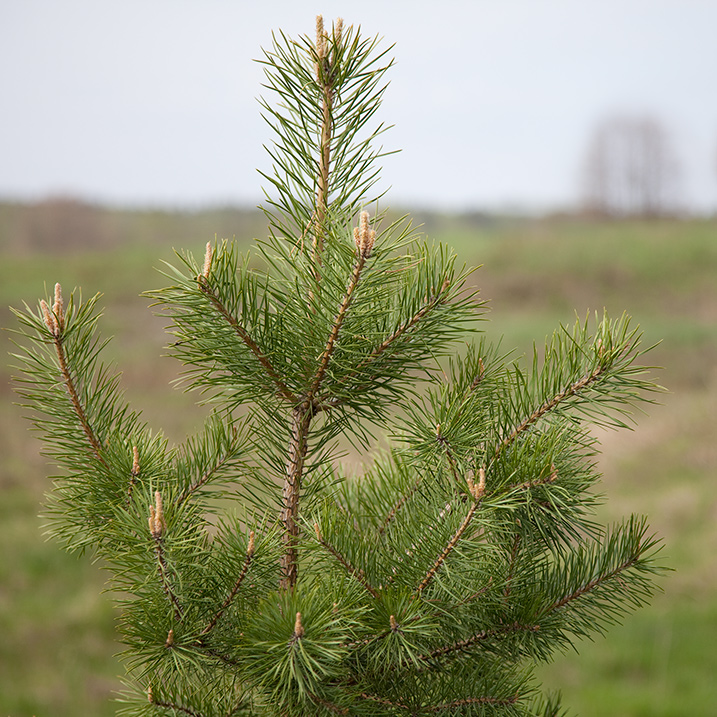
(256, 576)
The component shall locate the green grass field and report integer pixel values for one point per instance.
(58, 646)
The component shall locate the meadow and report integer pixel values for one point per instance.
(58, 646)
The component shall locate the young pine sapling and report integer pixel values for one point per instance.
(256, 576)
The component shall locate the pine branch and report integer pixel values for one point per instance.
(241, 332)
(232, 594)
(383, 701)
(599, 579)
(462, 645)
(364, 237)
(171, 705)
(330, 706)
(341, 315)
(449, 455)
(157, 527)
(221, 461)
(476, 492)
(571, 390)
(399, 504)
(378, 351)
(350, 569)
(594, 583)
(134, 475)
(162, 570)
(511, 565)
(55, 324)
(467, 701)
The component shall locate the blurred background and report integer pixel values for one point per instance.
(567, 146)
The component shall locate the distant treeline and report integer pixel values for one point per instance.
(68, 224)
(57, 225)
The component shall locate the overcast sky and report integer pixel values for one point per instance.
(493, 101)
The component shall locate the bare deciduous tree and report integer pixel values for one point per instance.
(631, 169)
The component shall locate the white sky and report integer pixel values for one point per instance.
(493, 101)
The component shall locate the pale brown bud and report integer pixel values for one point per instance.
(170, 639)
(477, 491)
(320, 36)
(471, 486)
(135, 461)
(48, 317)
(317, 531)
(157, 524)
(320, 45)
(553, 473)
(364, 224)
(250, 547)
(364, 236)
(338, 29)
(368, 245)
(298, 627)
(150, 695)
(208, 255)
(393, 623)
(58, 307)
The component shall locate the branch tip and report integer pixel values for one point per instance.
(250, 546)
(393, 623)
(170, 638)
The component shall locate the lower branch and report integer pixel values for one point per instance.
(235, 589)
(171, 706)
(501, 701)
(588, 587)
(330, 706)
(469, 642)
(383, 701)
(350, 569)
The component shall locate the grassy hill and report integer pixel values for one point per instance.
(56, 655)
